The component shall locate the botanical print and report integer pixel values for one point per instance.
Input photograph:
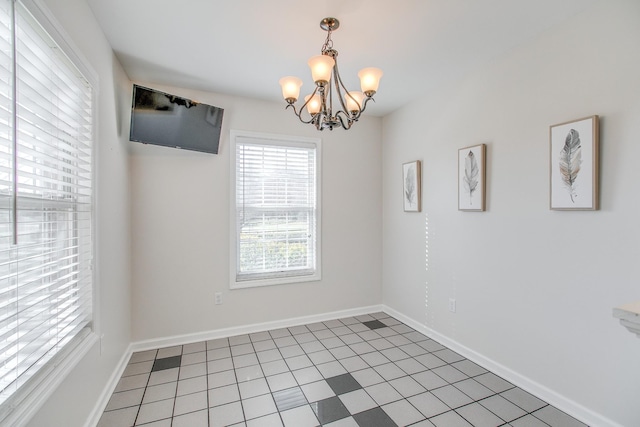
(570, 161)
(471, 174)
(411, 186)
(573, 163)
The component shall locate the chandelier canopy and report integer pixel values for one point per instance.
(320, 103)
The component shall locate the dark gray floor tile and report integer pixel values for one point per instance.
(375, 417)
(374, 324)
(343, 384)
(330, 410)
(166, 363)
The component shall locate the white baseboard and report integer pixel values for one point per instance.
(250, 329)
(98, 409)
(210, 335)
(561, 402)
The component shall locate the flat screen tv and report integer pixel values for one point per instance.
(162, 119)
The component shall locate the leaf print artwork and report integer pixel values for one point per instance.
(471, 174)
(409, 186)
(471, 178)
(570, 161)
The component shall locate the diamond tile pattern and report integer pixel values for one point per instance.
(365, 371)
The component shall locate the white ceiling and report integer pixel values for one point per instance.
(243, 47)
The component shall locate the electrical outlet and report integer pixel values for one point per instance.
(218, 298)
(452, 305)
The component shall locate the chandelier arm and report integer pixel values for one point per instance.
(299, 115)
(339, 84)
(364, 103)
(350, 120)
(313, 117)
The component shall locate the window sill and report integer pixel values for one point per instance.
(629, 315)
(243, 284)
(24, 404)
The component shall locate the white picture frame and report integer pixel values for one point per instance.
(573, 161)
(411, 186)
(471, 178)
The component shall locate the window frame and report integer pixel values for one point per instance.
(284, 277)
(29, 398)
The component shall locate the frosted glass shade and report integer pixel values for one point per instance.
(369, 80)
(354, 101)
(314, 105)
(290, 88)
(321, 66)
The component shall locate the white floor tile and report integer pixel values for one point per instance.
(190, 403)
(223, 395)
(225, 415)
(281, 381)
(125, 399)
(253, 388)
(403, 413)
(272, 420)
(155, 411)
(357, 401)
(258, 406)
(317, 391)
(193, 419)
(191, 385)
(160, 392)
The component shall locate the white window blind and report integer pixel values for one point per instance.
(277, 208)
(46, 138)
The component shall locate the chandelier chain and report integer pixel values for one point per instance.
(328, 43)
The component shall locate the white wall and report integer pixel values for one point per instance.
(534, 287)
(180, 223)
(75, 398)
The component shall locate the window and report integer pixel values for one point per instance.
(46, 134)
(276, 213)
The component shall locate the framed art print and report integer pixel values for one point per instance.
(471, 178)
(411, 188)
(574, 165)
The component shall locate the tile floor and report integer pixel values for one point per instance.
(369, 370)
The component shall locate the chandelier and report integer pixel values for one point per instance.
(320, 103)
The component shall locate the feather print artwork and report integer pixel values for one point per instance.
(570, 161)
(471, 173)
(409, 186)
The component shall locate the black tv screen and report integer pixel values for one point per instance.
(162, 119)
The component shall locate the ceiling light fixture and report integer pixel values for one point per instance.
(319, 104)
